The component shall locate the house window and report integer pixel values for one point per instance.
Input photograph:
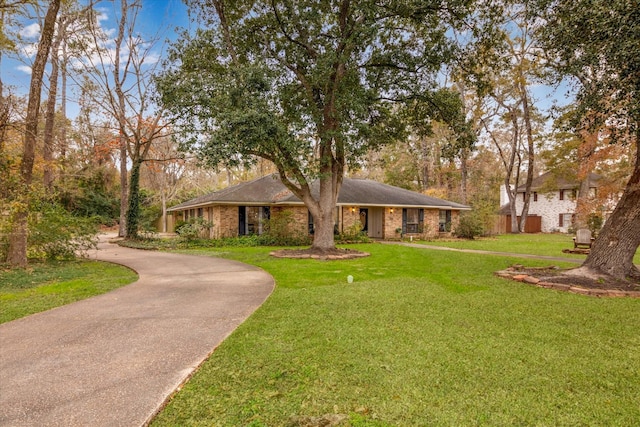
(565, 220)
(200, 213)
(561, 196)
(524, 196)
(445, 221)
(250, 219)
(535, 196)
(412, 220)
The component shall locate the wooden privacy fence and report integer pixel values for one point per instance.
(503, 224)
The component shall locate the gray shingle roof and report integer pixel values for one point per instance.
(556, 182)
(269, 190)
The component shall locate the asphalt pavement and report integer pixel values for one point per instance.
(114, 359)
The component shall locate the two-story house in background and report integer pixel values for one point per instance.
(552, 205)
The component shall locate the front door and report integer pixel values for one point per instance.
(375, 223)
(364, 220)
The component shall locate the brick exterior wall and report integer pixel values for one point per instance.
(391, 222)
(225, 220)
(300, 217)
(350, 216)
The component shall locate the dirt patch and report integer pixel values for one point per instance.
(572, 280)
(333, 254)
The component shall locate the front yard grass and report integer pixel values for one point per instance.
(547, 244)
(45, 285)
(422, 337)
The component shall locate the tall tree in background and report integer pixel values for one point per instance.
(503, 69)
(69, 31)
(17, 252)
(310, 86)
(120, 71)
(596, 43)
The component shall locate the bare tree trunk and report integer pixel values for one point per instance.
(121, 117)
(17, 253)
(526, 112)
(63, 102)
(464, 173)
(612, 252)
(49, 143)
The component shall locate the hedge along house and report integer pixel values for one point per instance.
(380, 210)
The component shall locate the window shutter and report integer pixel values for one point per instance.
(404, 220)
(560, 219)
(242, 225)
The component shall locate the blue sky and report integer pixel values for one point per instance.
(156, 17)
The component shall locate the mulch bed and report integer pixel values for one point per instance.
(334, 254)
(554, 278)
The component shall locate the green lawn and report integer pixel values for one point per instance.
(536, 244)
(421, 338)
(45, 285)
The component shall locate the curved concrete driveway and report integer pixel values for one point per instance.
(112, 360)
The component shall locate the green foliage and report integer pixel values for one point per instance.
(193, 229)
(597, 45)
(281, 230)
(91, 192)
(353, 234)
(309, 87)
(258, 97)
(133, 207)
(54, 233)
(149, 214)
(469, 226)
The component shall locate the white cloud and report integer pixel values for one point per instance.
(25, 69)
(30, 31)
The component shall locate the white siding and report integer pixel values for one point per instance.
(549, 207)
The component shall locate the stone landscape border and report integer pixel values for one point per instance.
(513, 273)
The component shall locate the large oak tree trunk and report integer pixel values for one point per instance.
(612, 252)
(323, 238)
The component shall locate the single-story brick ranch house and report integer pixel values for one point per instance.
(382, 211)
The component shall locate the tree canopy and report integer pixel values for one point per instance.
(596, 44)
(310, 86)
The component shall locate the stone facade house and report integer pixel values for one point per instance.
(380, 210)
(553, 202)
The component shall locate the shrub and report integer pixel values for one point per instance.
(469, 227)
(55, 233)
(352, 234)
(193, 229)
(281, 230)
